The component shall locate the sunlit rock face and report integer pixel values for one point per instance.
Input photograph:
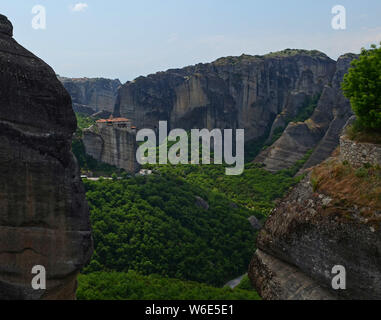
(44, 216)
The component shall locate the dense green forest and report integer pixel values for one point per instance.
(182, 223)
(255, 189)
(154, 225)
(133, 286)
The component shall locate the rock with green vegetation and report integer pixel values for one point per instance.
(327, 116)
(113, 146)
(290, 99)
(246, 92)
(331, 218)
(88, 164)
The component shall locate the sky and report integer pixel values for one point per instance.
(125, 39)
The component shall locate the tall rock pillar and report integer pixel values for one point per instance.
(44, 216)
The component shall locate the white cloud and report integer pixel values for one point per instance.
(79, 7)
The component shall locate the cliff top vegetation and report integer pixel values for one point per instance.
(362, 86)
(278, 54)
(349, 186)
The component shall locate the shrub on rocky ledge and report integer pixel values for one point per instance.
(362, 86)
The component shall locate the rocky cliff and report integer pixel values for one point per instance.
(261, 94)
(321, 132)
(112, 145)
(44, 217)
(246, 92)
(332, 218)
(90, 96)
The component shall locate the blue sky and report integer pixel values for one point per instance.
(124, 38)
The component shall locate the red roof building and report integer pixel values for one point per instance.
(113, 120)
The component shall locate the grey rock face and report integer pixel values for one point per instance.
(321, 132)
(92, 95)
(255, 93)
(278, 280)
(246, 92)
(313, 233)
(44, 217)
(112, 145)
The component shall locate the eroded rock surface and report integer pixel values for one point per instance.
(92, 95)
(246, 92)
(308, 234)
(321, 132)
(44, 217)
(112, 145)
(261, 94)
(278, 280)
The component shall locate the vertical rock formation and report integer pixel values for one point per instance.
(44, 217)
(246, 92)
(321, 132)
(261, 94)
(111, 144)
(90, 96)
